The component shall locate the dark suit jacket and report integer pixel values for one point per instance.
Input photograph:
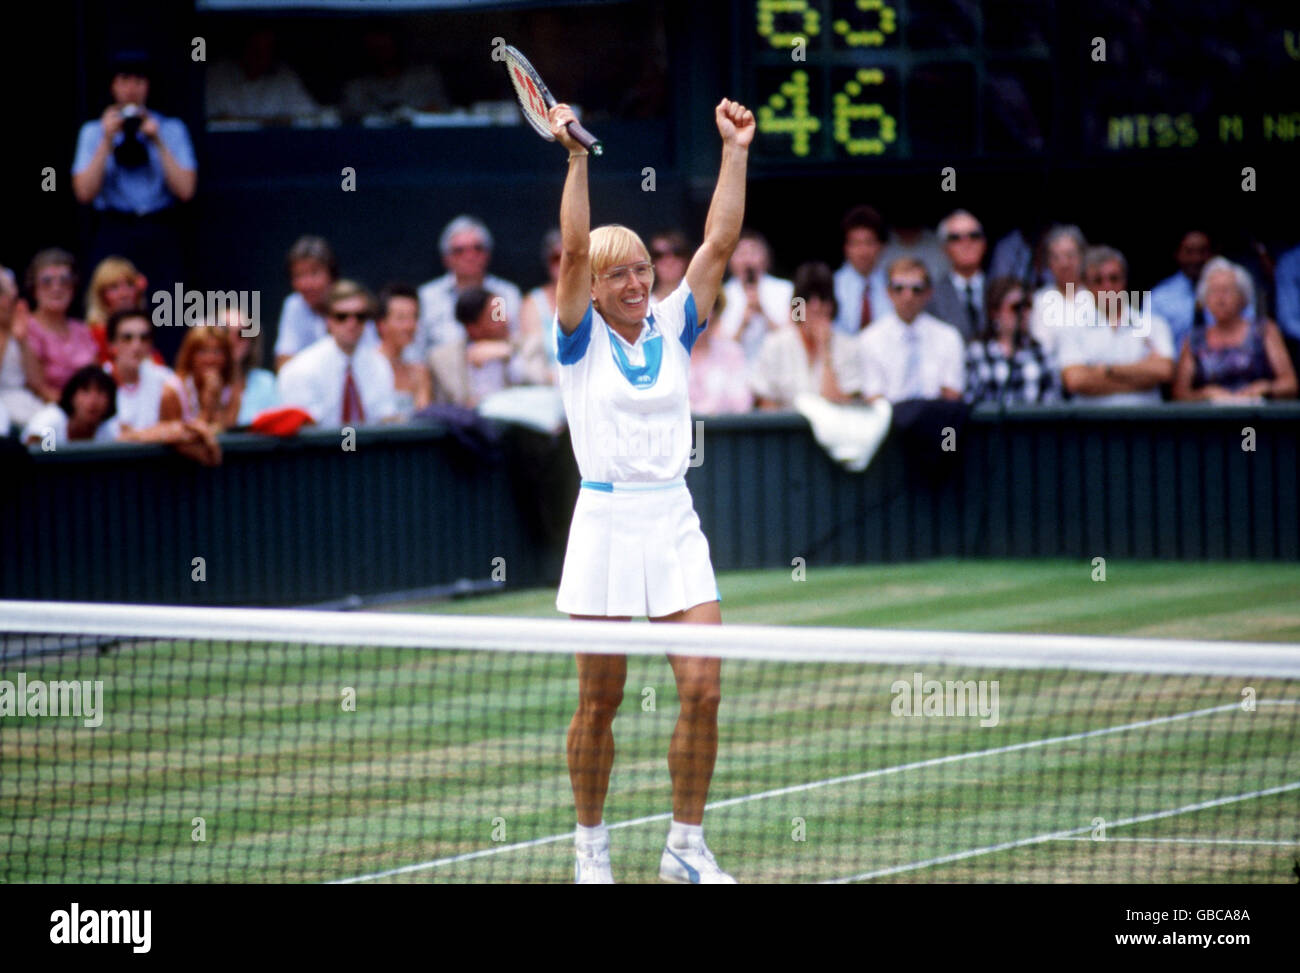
(949, 305)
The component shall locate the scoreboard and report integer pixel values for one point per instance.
(947, 80)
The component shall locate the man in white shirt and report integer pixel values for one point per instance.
(338, 380)
(908, 354)
(756, 302)
(313, 269)
(959, 296)
(466, 247)
(1120, 355)
(860, 287)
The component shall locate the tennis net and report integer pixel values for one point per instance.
(146, 744)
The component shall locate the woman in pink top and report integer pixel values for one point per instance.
(56, 345)
(719, 379)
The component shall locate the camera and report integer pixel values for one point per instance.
(132, 118)
(131, 153)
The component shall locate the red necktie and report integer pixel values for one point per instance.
(864, 318)
(352, 410)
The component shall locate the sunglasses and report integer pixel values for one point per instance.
(914, 288)
(456, 251)
(972, 235)
(349, 316)
(52, 280)
(131, 337)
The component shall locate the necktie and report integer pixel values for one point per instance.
(864, 317)
(972, 314)
(352, 410)
(911, 364)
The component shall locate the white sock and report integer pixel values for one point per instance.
(592, 836)
(679, 834)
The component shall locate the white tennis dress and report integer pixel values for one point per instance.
(635, 544)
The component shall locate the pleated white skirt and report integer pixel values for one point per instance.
(635, 550)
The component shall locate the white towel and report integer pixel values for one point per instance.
(851, 434)
(539, 407)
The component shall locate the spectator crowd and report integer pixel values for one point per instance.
(936, 320)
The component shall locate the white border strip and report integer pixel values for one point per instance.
(1191, 841)
(760, 642)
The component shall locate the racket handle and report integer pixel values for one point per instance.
(585, 138)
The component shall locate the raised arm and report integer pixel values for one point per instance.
(727, 210)
(573, 290)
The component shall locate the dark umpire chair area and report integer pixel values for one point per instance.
(302, 521)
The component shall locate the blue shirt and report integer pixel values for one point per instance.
(260, 393)
(1288, 292)
(139, 190)
(849, 285)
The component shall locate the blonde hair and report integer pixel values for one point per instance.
(612, 245)
(110, 270)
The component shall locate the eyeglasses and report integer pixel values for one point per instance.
(621, 275)
(971, 235)
(460, 248)
(898, 288)
(131, 337)
(348, 315)
(53, 280)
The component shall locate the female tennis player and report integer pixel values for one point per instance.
(635, 545)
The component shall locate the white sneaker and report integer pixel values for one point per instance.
(592, 866)
(692, 865)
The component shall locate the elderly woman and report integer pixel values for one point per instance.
(56, 344)
(1063, 247)
(1232, 359)
(1005, 364)
(635, 545)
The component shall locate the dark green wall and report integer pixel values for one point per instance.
(302, 520)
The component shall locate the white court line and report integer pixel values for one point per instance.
(1055, 835)
(813, 785)
(1192, 841)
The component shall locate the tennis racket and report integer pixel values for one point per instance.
(536, 100)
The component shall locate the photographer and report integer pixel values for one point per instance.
(133, 166)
